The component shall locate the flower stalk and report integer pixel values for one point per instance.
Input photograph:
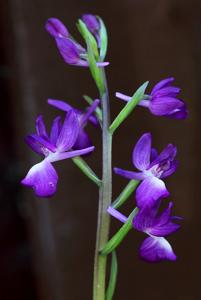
(105, 193)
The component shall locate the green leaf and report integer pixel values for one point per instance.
(95, 70)
(88, 36)
(83, 166)
(113, 277)
(127, 191)
(98, 111)
(128, 108)
(103, 39)
(120, 235)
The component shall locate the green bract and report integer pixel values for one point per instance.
(128, 108)
(120, 235)
(103, 39)
(95, 70)
(127, 191)
(113, 277)
(87, 36)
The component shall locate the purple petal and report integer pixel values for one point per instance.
(40, 127)
(179, 114)
(172, 168)
(145, 218)
(163, 225)
(68, 51)
(55, 130)
(156, 249)
(41, 142)
(69, 132)
(93, 120)
(34, 144)
(168, 154)
(69, 154)
(142, 152)
(154, 154)
(116, 214)
(91, 22)
(169, 91)
(56, 28)
(60, 104)
(83, 140)
(165, 106)
(161, 84)
(89, 112)
(164, 230)
(165, 215)
(129, 174)
(149, 191)
(43, 178)
(149, 222)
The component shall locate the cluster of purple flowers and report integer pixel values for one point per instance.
(69, 138)
(153, 168)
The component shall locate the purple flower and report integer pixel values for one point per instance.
(83, 140)
(163, 100)
(155, 248)
(71, 51)
(153, 168)
(93, 25)
(42, 177)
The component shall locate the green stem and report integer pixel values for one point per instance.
(105, 192)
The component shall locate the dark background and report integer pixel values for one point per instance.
(46, 246)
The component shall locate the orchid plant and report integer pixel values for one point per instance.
(69, 139)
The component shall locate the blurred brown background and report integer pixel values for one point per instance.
(46, 246)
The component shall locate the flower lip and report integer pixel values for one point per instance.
(43, 178)
(150, 190)
(156, 249)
